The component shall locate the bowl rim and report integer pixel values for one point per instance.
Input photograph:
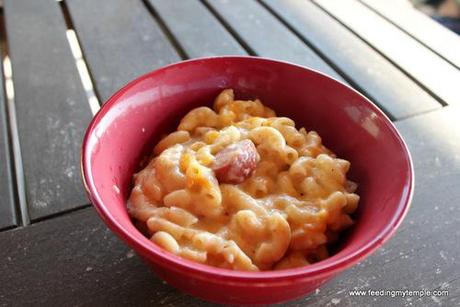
(145, 247)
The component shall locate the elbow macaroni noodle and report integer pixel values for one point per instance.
(295, 202)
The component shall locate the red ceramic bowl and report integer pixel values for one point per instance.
(131, 122)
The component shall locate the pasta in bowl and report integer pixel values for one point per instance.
(240, 188)
(262, 165)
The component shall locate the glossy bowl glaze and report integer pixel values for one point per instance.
(131, 122)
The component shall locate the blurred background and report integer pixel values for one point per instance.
(446, 12)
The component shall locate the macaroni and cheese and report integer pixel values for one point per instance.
(237, 187)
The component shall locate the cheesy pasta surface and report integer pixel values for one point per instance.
(237, 187)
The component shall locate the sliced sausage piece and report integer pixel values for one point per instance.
(236, 162)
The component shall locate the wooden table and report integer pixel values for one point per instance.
(55, 250)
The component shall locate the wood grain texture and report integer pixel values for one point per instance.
(369, 71)
(420, 26)
(120, 41)
(75, 260)
(51, 107)
(197, 30)
(7, 211)
(264, 34)
(433, 72)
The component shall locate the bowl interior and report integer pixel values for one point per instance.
(132, 121)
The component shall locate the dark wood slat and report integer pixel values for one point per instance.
(420, 26)
(434, 73)
(7, 211)
(377, 78)
(75, 260)
(51, 106)
(120, 41)
(266, 35)
(197, 30)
